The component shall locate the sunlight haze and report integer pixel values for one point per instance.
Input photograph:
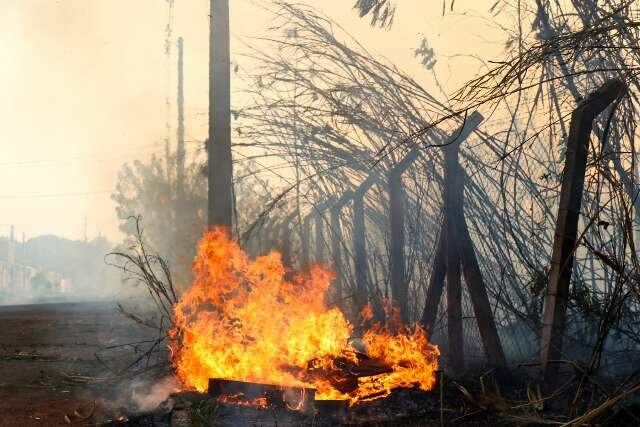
(85, 83)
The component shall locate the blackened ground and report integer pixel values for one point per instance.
(48, 367)
(49, 371)
(403, 408)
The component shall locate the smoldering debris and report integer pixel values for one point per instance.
(146, 396)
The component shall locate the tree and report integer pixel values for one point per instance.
(382, 12)
(350, 107)
(146, 189)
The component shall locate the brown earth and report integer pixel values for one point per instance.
(48, 366)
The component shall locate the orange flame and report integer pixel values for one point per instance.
(242, 320)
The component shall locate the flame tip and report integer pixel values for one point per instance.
(243, 320)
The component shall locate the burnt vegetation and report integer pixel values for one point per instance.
(503, 220)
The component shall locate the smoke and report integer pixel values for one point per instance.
(52, 269)
(147, 397)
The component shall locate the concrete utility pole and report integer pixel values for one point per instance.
(565, 238)
(220, 200)
(180, 152)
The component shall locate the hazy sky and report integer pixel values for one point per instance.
(84, 84)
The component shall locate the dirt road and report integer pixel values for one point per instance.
(48, 367)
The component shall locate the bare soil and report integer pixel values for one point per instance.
(48, 363)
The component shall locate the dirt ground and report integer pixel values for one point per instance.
(48, 365)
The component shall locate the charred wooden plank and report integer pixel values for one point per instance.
(274, 395)
(366, 366)
(343, 372)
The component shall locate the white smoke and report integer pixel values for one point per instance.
(147, 397)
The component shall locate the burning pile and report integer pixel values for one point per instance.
(242, 320)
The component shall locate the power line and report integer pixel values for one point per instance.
(94, 157)
(88, 156)
(42, 196)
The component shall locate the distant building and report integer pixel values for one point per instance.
(8, 250)
(15, 279)
(24, 284)
(59, 282)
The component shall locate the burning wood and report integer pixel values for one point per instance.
(261, 395)
(343, 372)
(243, 320)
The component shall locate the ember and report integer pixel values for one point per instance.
(242, 320)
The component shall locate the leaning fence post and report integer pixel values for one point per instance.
(315, 215)
(336, 244)
(287, 259)
(397, 209)
(565, 237)
(453, 193)
(359, 251)
(319, 236)
(399, 286)
(478, 295)
(448, 255)
(306, 240)
(336, 252)
(436, 284)
(359, 241)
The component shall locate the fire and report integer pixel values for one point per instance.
(243, 320)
